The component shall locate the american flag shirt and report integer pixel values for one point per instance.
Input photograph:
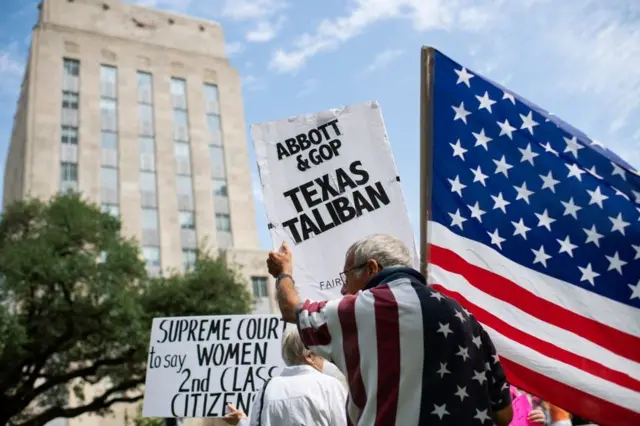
(411, 355)
(535, 229)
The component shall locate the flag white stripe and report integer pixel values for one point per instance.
(571, 297)
(411, 352)
(570, 376)
(531, 325)
(367, 340)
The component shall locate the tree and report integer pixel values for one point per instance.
(76, 307)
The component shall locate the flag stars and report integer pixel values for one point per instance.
(481, 377)
(440, 410)
(500, 203)
(637, 250)
(460, 316)
(444, 329)
(548, 182)
(635, 290)
(506, 129)
(588, 274)
(509, 96)
(496, 359)
(593, 172)
(528, 122)
(482, 415)
(540, 256)
(570, 208)
(618, 224)
(566, 246)
(597, 197)
(458, 150)
(478, 176)
(461, 113)
(618, 171)
(443, 370)
(615, 263)
(528, 154)
(502, 166)
(520, 229)
(485, 102)
(462, 393)
(457, 219)
(544, 219)
(575, 171)
(547, 148)
(437, 295)
(457, 186)
(592, 236)
(463, 352)
(477, 340)
(482, 139)
(523, 192)
(573, 146)
(476, 211)
(464, 76)
(496, 239)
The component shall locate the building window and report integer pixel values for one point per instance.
(218, 170)
(152, 259)
(188, 258)
(259, 287)
(69, 100)
(145, 88)
(112, 209)
(69, 172)
(108, 82)
(69, 135)
(71, 67)
(108, 136)
(108, 116)
(187, 220)
(223, 222)
(145, 120)
(147, 154)
(149, 219)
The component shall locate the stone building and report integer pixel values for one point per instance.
(140, 111)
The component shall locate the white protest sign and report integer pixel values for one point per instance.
(197, 365)
(328, 180)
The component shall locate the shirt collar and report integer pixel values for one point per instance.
(298, 370)
(393, 273)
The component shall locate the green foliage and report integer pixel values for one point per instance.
(76, 307)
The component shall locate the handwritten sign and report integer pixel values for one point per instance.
(328, 180)
(197, 365)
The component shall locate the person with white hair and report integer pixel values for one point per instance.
(300, 395)
(412, 356)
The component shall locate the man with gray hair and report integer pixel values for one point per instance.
(300, 395)
(412, 356)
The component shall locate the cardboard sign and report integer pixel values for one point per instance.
(197, 365)
(328, 180)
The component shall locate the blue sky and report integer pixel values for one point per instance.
(580, 59)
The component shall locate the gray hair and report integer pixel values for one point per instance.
(386, 250)
(293, 350)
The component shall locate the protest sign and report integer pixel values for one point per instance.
(197, 365)
(328, 180)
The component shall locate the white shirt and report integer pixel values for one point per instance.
(301, 395)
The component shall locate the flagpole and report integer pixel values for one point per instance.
(427, 62)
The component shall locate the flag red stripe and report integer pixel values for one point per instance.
(541, 346)
(496, 285)
(347, 316)
(388, 325)
(570, 399)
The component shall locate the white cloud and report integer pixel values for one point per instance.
(383, 59)
(243, 10)
(233, 48)
(265, 31)
(252, 83)
(172, 5)
(423, 14)
(308, 87)
(11, 69)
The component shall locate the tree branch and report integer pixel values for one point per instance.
(99, 403)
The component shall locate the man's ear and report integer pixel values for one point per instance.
(373, 267)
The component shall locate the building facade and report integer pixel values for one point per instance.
(140, 111)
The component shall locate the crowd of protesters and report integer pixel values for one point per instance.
(392, 350)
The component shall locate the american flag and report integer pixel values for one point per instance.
(535, 229)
